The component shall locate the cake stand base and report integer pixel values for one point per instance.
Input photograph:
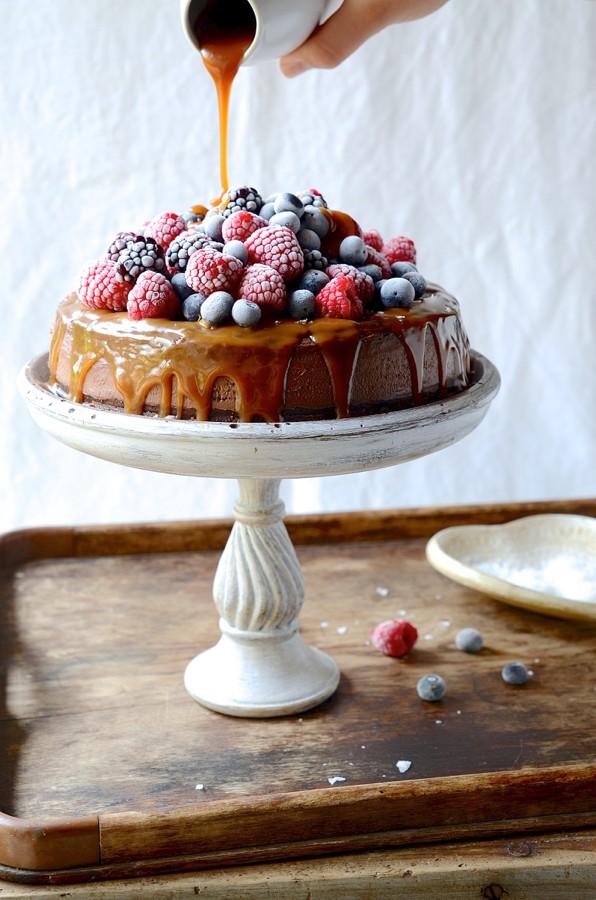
(257, 676)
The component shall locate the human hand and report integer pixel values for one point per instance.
(353, 24)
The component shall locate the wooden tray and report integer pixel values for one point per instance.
(109, 769)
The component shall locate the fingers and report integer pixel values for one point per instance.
(353, 24)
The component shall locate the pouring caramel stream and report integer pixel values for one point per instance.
(224, 32)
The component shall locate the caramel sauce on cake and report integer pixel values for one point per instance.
(277, 371)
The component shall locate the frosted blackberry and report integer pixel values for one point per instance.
(431, 688)
(143, 255)
(122, 240)
(241, 198)
(314, 259)
(515, 673)
(183, 247)
(309, 198)
(469, 640)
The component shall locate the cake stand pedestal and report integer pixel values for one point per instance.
(261, 666)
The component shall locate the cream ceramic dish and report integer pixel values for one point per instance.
(544, 563)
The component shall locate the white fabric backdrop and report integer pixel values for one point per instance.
(472, 131)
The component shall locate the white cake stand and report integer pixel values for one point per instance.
(261, 666)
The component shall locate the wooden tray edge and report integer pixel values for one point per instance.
(211, 534)
(36, 844)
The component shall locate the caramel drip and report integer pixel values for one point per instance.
(224, 33)
(183, 360)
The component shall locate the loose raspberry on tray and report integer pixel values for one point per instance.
(153, 297)
(395, 637)
(278, 247)
(99, 288)
(208, 270)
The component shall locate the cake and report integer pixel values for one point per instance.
(258, 311)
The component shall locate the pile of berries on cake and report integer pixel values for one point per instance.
(288, 256)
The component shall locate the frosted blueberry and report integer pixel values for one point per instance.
(217, 307)
(289, 203)
(352, 251)
(309, 240)
(212, 226)
(301, 304)
(287, 220)
(181, 287)
(400, 268)
(236, 249)
(315, 220)
(418, 282)
(372, 270)
(515, 673)
(313, 280)
(246, 313)
(191, 306)
(469, 640)
(266, 211)
(431, 688)
(397, 292)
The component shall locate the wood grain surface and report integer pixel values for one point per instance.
(99, 739)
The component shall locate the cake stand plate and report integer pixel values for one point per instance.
(260, 666)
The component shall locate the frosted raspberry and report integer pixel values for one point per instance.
(208, 271)
(99, 288)
(240, 225)
(165, 227)
(278, 247)
(373, 238)
(377, 259)
(365, 286)
(400, 249)
(264, 286)
(395, 637)
(339, 299)
(153, 297)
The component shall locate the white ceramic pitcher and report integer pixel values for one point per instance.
(281, 25)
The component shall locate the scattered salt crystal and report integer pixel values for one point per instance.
(363, 746)
(438, 596)
(438, 721)
(446, 622)
(383, 591)
(342, 629)
(402, 612)
(536, 661)
(428, 637)
(459, 712)
(335, 779)
(403, 765)
(324, 624)
(199, 787)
